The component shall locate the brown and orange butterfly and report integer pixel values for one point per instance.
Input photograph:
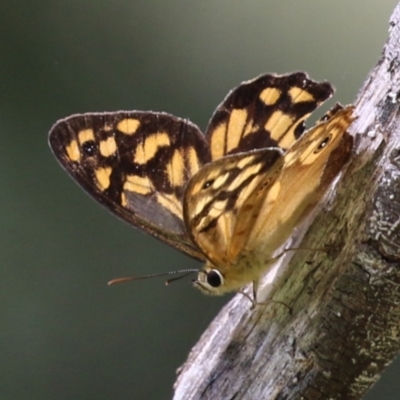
(231, 197)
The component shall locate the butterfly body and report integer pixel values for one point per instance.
(231, 197)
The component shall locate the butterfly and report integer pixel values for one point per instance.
(230, 197)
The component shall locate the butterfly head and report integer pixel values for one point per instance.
(211, 281)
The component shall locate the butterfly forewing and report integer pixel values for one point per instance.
(215, 196)
(135, 163)
(268, 111)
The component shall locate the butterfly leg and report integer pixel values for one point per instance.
(254, 301)
(284, 251)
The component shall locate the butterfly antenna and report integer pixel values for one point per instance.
(185, 272)
(177, 278)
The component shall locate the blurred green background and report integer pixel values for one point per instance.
(64, 333)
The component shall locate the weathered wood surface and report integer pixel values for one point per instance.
(345, 321)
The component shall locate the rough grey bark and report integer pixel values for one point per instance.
(344, 324)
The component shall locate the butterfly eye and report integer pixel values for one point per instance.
(323, 144)
(214, 278)
(89, 147)
(208, 183)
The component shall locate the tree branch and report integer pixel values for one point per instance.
(344, 326)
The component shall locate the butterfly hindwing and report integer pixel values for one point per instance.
(268, 111)
(137, 164)
(308, 168)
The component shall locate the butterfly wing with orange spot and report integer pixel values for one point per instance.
(268, 111)
(136, 164)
